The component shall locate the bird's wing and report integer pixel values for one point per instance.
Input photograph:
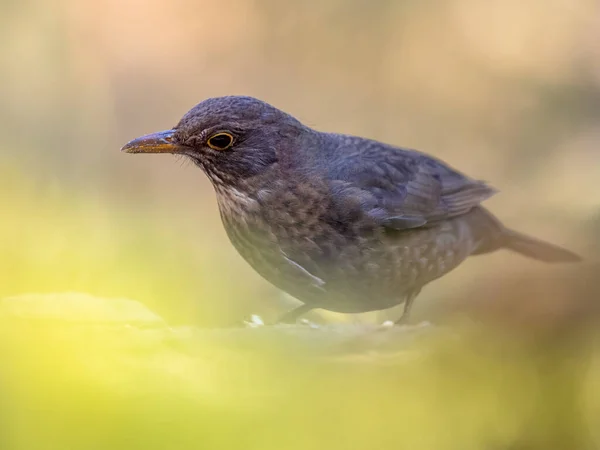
(403, 188)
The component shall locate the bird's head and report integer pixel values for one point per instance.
(231, 138)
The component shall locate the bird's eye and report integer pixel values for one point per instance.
(220, 141)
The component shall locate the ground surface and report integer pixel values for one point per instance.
(80, 372)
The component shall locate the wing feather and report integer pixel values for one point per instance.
(402, 188)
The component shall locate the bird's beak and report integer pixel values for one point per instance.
(161, 142)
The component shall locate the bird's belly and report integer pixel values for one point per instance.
(266, 257)
(365, 274)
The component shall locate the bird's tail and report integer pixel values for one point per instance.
(536, 249)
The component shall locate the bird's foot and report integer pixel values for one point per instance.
(403, 320)
(291, 317)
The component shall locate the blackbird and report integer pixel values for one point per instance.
(339, 222)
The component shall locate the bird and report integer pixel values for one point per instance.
(340, 222)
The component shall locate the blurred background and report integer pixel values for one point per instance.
(506, 91)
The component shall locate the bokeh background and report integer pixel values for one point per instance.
(506, 91)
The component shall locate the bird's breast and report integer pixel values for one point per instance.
(244, 223)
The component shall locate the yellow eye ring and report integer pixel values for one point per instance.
(220, 141)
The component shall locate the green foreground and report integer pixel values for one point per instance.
(80, 372)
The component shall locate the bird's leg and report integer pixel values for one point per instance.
(408, 303)
(292, 316)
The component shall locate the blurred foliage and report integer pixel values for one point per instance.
(77, 384)
(67, 241)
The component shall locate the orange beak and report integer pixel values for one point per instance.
(161, 142)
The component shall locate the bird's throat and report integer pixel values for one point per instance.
(235, 202)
